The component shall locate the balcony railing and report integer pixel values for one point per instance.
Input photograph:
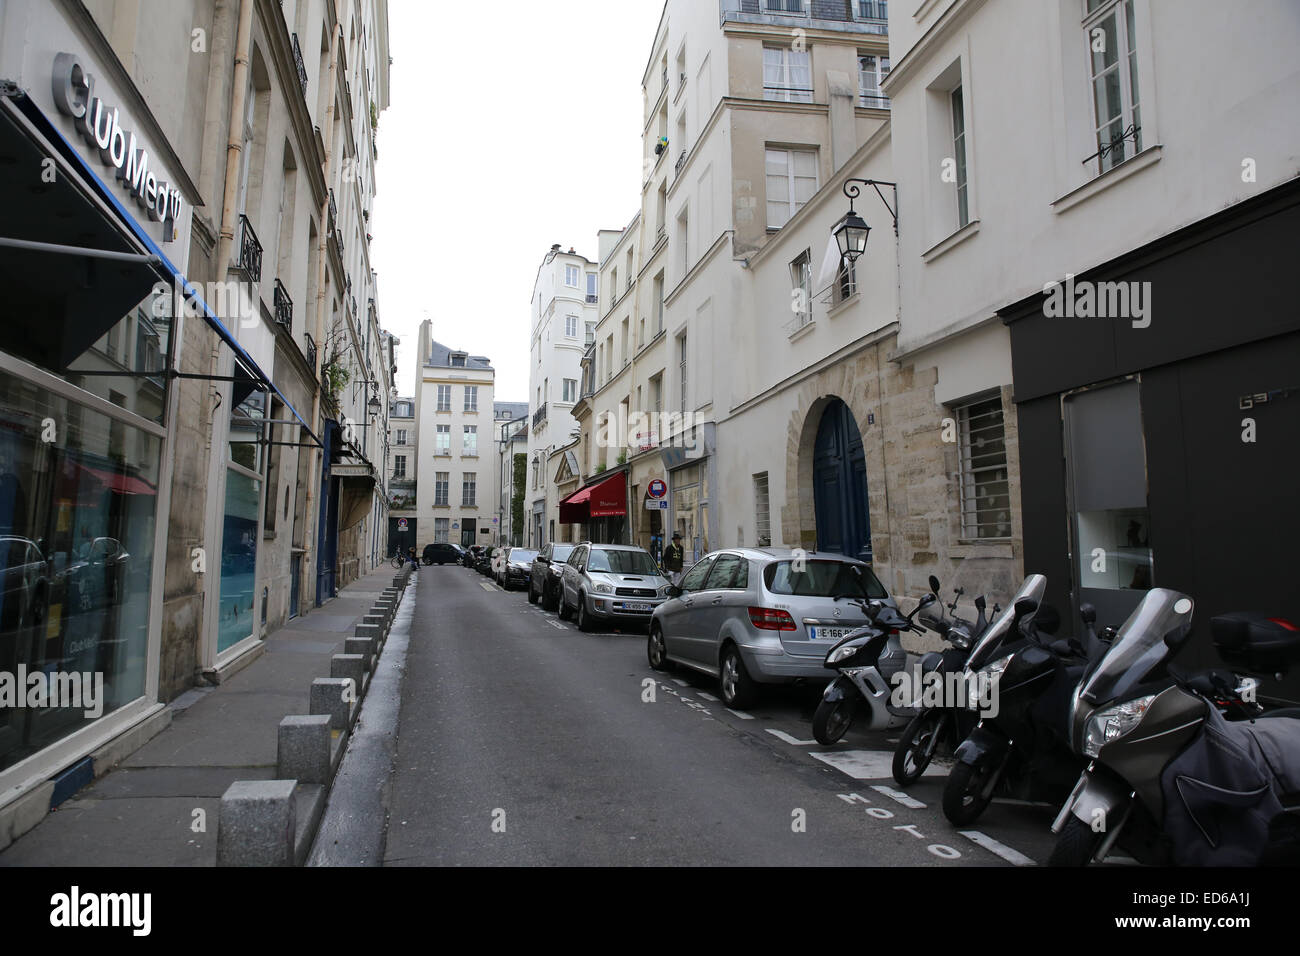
(250, 250)
(311, 351)
(333, 211)
(871, 16)
(681, 161)
(298, 63)
(283, 307)
(539, 416)
(591, 298)
(874, 101)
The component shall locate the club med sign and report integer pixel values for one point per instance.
(100, 126)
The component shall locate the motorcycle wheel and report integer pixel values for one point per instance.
(1076, 844)
(916, 746)
(832, 720)
(962, 803)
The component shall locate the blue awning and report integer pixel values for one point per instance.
(248, 374)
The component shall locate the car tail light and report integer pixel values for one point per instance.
(1284, 623)
(771, 619)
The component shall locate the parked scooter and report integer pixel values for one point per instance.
(1021, 683)
(867, 660)
(1173, 776)
(937, 729)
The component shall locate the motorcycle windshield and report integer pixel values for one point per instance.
(1151, 635)
(999, 631)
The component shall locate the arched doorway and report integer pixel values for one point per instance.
(840, 485)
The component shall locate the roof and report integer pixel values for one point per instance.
(440, 357)
(514, 409)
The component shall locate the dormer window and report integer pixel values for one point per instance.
(458, 359)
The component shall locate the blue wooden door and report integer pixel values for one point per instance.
(840, 485)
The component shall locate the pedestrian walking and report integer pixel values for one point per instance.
(673, 555)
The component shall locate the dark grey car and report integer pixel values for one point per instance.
(752, 616)
(544, 581)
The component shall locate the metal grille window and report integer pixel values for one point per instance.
(985, 491)
(471, 398)
(762, 512)
(787, 75)
(469, 491)
(1112, 68)
(444, 398)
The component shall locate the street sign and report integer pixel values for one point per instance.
(657, 489)
(652, 505)
(401, 524)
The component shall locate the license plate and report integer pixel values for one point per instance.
(827, 633)
(637, 607)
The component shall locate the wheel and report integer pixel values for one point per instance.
(532, 595)
(832, 719)
(738, 688)
(1076, 844)
(962, 800)
(917, 745)
(397, 562)
(656, 651)
(585, 623)
(563, 609)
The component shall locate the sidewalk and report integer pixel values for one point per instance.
(142, 812)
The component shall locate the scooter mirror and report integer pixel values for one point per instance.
(980, 603)
(1025, 607)
(934, 584)
(1088, 613)
(922, 605)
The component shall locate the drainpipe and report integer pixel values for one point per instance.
(235, 135)
(322, 259)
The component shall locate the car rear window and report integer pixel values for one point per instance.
(562, 552)
(823, 579)
(519, 554)
(621, 562)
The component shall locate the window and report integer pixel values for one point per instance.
(1112, 49)
(659, 303)
(471, 398)
(442, 440)
(403, 410)
(625, 341)
(787, 74)
(399, 466)
(591, 333)
(469, 442)
(570, 390)
(441, 530)
(693, 580)
(801, 289)
(571, 326)
(468, 490)
(401, 436)
(959, 154)
(591, 287)
(762, 512)
(846, 281)
(784, 6)
(681, 367)
(985, 492)
(572, 275)
(444, 398)
(872, 71)
(458, 359)
(791, 182)
(441, 484)
(729, 572)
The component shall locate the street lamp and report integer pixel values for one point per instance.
(852, 231)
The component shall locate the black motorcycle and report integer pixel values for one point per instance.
(938, 728)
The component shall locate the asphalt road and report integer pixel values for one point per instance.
(522, 741)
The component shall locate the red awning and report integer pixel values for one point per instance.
(122, 484)
(604, 499)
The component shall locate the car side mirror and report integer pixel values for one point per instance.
(674, 591)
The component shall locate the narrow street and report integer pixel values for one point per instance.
(511, 717)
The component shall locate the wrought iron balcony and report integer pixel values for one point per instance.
(283, 306)
(250, 250)
(311, 351)
(539, 416)
(681, 161)
(298, 63)
(333, 211)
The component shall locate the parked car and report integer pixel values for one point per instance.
(619, 583)
(442, 552)
(515, 567)
(471, 556)
(483, 563)
(24, 583)
(544, 580)
(751, 616)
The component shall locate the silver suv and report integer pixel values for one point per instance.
(750, 616)
(610, 582)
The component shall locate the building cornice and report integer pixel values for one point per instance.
(952, 19)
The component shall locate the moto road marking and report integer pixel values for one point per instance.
(866, 764)
(488, 586)
(680, 683)
(780, 735)
(707, 696)
(739, 714)
(898, 796)
(1014, 857)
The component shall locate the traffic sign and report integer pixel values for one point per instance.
(658, 488)
(401, 524)
(652, 505)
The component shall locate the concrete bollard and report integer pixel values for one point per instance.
(333, 697)
(348, 666)
(255, 825)
(303, 752)
(365, 646)
(379, 620)
(372, 631)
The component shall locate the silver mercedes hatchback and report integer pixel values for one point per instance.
(751, 616)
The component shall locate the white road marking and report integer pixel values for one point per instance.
(680, 683)
(739, 714)
(899, 797)
(707, 696)
(1014, 857)
(488, 586)
(780, 735)
(557, 625)
(867, 764)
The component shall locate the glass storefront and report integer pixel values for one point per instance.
(690, 495)
(78, 506)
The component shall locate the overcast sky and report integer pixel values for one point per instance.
(512, 126)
